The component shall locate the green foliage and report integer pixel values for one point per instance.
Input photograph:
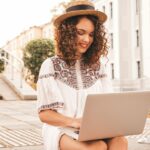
(35, 52)
(1, 65)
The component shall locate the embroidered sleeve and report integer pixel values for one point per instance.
(48, 93)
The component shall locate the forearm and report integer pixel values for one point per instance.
(54, 118)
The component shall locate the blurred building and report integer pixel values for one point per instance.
(16, 45)
(128, 33)
(128, 27)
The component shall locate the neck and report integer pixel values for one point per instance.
(78, 56)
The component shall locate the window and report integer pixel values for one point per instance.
(137, 38)
(112, 71)
(104, 9)
(112, 40)
(111, 10)
(2, 53)
(137, 6)
(138, 69)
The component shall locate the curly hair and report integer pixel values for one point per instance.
(66, 37)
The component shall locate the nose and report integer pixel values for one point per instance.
(86, 38)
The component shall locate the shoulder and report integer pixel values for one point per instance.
(49, 61)
(57, 60)
(47, 66)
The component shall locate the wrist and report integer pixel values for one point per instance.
(69, 122)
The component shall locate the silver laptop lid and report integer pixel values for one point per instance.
(114, 114)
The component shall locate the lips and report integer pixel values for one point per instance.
(84, 45)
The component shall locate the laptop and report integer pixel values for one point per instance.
(112, 114)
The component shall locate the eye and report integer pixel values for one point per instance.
(92, 34)
(80, 32)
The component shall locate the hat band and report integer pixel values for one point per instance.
(80, 7)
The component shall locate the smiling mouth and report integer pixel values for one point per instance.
(84, 45)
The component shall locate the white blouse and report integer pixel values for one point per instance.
(64, 89)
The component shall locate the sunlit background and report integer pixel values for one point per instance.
(127, 30)
(18, 15)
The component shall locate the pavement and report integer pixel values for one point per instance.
(20, 127)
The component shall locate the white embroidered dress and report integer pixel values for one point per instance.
(64, 89)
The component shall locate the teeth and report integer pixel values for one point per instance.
(83, 45)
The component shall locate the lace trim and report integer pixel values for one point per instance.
(52, 106)
(46, 75)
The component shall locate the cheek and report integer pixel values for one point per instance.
(91, 40)
(79, 38)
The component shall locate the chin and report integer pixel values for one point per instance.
(82, 51)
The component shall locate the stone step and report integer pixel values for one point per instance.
(25, 92)
(6, 92)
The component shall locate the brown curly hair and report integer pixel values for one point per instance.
(66, 35)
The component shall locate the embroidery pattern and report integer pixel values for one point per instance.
(64, 73)
(46, 75)
(90, 74)
(67, 75)
(52, 106)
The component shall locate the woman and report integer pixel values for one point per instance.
(76, 70)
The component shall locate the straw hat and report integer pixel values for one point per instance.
(80, 7)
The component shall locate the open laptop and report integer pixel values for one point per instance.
(112, 114)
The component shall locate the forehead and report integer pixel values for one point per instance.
(86, 24)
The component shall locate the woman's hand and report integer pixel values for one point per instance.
(75, 123)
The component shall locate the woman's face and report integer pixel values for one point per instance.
(85, 35)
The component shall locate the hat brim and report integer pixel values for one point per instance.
(101, 16)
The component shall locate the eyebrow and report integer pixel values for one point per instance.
(84, 30)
